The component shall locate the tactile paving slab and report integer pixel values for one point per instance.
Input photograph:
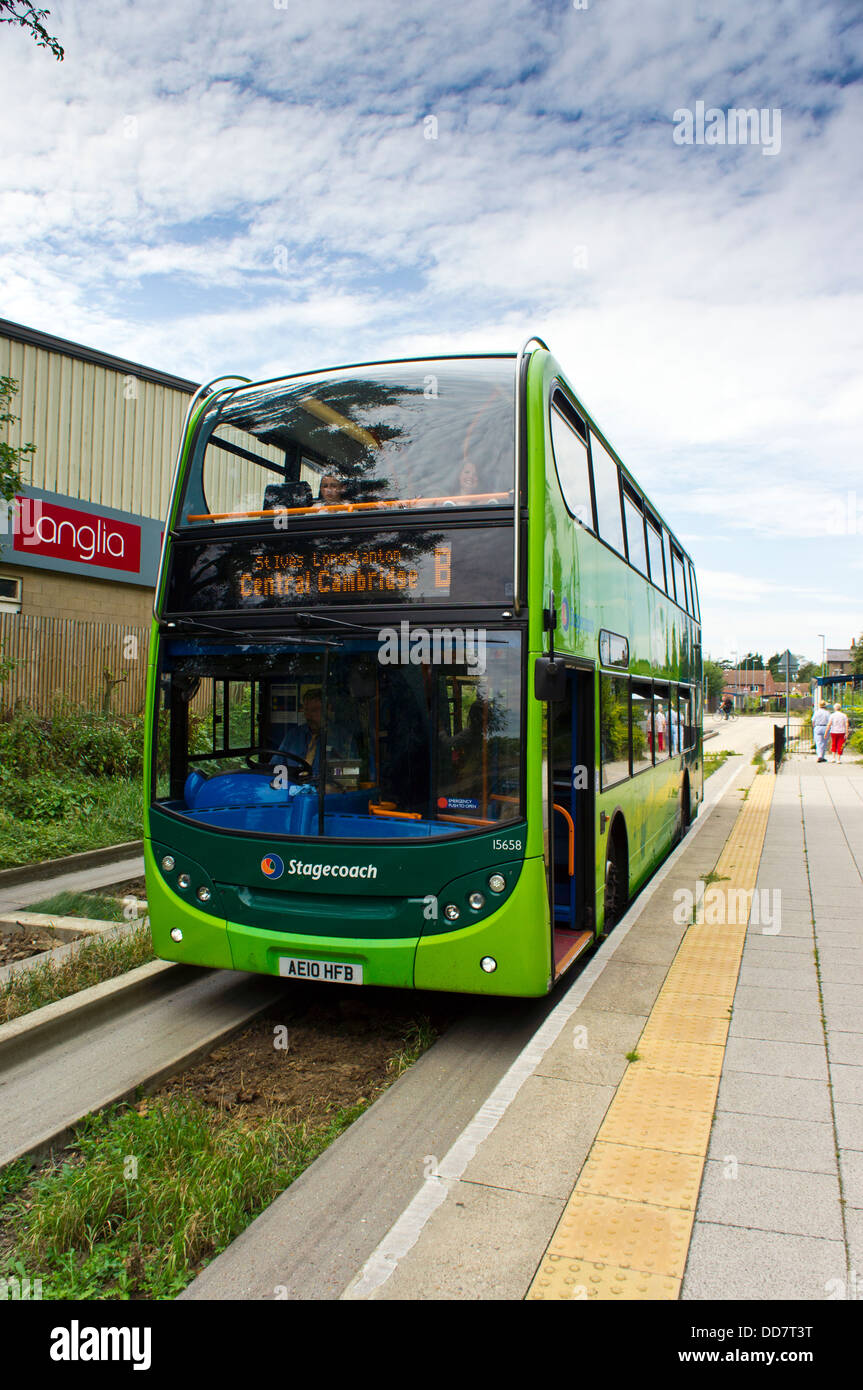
(629, 1234)
(560, 1277)
(665, 1025)
(654, 1175)
(672, 1055)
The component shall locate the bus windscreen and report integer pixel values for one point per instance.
(412, 732)
(372, 439)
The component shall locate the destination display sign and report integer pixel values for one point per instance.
(459, 566)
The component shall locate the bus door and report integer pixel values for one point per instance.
(570, 792)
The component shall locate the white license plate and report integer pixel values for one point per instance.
(333, 972)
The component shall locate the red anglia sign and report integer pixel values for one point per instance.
(64, 533)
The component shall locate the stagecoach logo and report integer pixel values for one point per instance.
(272, 866)
(421, 646)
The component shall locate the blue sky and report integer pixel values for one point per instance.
(251, 187)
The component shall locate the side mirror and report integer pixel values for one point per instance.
(549, 679)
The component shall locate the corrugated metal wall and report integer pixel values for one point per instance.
(99, 435)
(56, 657)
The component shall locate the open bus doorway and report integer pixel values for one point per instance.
(570, 792)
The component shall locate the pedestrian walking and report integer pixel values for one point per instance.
(837, 728)
(820, 720)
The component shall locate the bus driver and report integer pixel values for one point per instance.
(303, 740)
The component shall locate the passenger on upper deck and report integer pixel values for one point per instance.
(332, 491)
(468, 479)
(466, 483)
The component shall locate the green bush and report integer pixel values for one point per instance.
(71, 740)
(102, 812)
(22, 742)
(41, 799)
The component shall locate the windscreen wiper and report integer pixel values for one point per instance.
(197, 624)
(305, 618)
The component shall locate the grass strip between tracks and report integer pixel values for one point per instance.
(149, 1193)
(95, 960)
(713, 761)
(107, 907)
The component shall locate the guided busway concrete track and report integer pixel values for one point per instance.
(97, 1047)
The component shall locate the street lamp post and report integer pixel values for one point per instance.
(737, 674)
(787, 682)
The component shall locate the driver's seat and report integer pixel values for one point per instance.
(246, 791)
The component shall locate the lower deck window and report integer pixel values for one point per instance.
(335, 738)
(642, 723)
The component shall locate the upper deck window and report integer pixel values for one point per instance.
(573, 468)
(679, 581)
(654, 546)
(635, 533)
(693, 594)
(378, 438)
(606, 482)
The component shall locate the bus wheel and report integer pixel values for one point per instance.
(615, 882)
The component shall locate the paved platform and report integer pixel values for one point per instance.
(780, 1214)
(764, 1202)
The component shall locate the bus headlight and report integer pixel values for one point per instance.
(176, 934)
(489, 964)
(183, 880)
(497, 883)
(204, 895)
(451, 912)
(168, 863)
(476, 901)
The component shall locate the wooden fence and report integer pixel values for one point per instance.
(88, 664)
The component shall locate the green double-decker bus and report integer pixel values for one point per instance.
(425, 680)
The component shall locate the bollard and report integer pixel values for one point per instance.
(778, 745)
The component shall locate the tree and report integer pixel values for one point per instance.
(754, 660)
(714, 675)
(857, 656)
(808, 671)
(22, 13)
(11, 457)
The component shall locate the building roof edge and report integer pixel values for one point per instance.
(20, 333)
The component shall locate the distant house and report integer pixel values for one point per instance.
(840, 660)
(744, 684)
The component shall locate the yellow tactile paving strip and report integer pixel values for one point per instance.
(626, 1229)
